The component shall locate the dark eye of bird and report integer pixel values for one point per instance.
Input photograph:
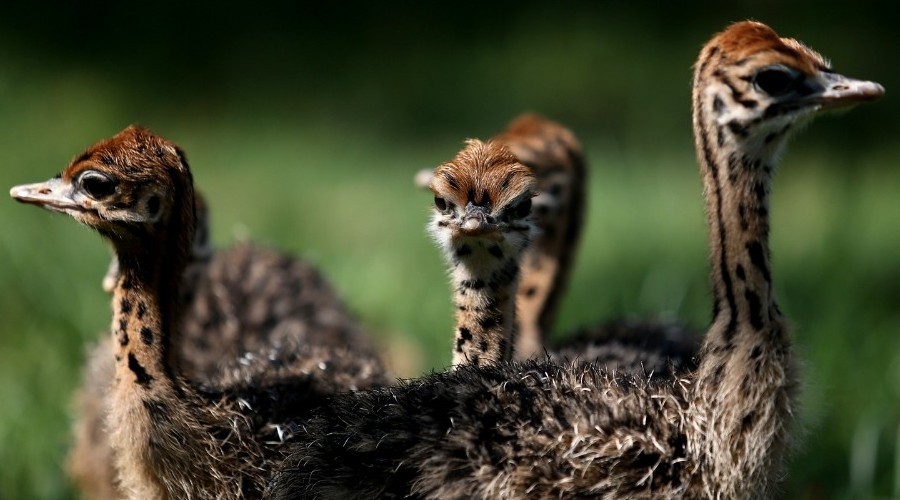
(97, 185)
(775, 80)
(522, 209)
(440, 203)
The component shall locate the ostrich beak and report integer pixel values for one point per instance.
(476, 221)
(53, 195)
(840, 91)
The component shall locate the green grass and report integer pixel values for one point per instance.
(332, 182)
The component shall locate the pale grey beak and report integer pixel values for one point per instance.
(476, 221)
(53, 195)
(841, 91)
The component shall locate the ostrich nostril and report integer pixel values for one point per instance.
(44, 191)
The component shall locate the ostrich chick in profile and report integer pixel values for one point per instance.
(172, 436)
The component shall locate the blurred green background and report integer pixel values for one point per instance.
(305, 124)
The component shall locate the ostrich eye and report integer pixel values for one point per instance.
(440, 203)
(522, 209)
(97, 185)
(775, 80)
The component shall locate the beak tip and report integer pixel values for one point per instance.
(870, 91)
(849, 93)
(874, 90)
(470, 225)
(17, 192)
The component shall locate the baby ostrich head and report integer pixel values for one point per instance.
(481, 221)
(758, 86)
(482, 198)
(128, 188)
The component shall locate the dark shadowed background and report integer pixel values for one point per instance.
(305, 124)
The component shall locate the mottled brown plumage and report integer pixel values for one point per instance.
(551, 430)
(184, 422)
(246, 305)
(90, 463)
(651, 348)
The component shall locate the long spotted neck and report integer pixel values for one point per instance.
(548, 264)
(484, 278)
(744, 385)
(147, 373)
(555, 157)
(143, 311)
(737, 185)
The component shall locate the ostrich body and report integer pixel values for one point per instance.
(245, 305)
(548, 430)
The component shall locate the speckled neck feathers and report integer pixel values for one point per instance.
(481, 222)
